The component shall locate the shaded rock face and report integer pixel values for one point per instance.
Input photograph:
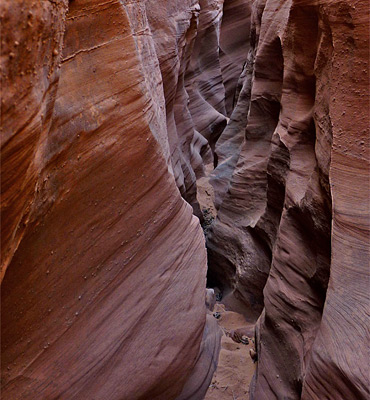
(290, 238)
(104, 291)
(201, 54)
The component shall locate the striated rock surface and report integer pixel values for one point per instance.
(234, 46)
(174, 27)
(291, 234)
(241, 242)
(104, 291)
(339, 365)
(28, 85)
(113, 113)
(200, 53)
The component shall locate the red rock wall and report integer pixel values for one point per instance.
(291, 235)
(200, 53)
(110, 112)
(28, 85)
(339, 366)
(104, 291)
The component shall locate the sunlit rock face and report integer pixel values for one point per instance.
(290, 239)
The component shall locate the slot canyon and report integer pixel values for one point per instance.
(185, 199)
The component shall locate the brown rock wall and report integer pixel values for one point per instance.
(339, 364)
(174, 29)
(198, 63)
(274, 243)
(28, 85)
(104, 291)
(247, 219)
(234, 46)
(109, 113)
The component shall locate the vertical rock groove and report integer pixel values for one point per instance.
(272, 243)
(126, 127)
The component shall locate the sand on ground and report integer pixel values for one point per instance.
(235, 367)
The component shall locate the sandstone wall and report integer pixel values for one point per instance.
(291, 235)
(110, 113)
(200, 53)
(104, 291)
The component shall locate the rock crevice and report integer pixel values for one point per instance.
(117, 117)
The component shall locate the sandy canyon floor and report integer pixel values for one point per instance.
(235, 366)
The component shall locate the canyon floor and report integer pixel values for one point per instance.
(235, 366)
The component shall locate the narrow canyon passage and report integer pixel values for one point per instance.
(153, 149)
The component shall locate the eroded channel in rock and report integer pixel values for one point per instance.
(127, 127)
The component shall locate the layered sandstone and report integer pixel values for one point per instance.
(103, 295)
(200, 54)
(291, 234)
(111, 115)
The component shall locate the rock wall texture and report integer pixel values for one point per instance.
(105, 265)
(291, 236)
(200, 53)
(111, 111)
